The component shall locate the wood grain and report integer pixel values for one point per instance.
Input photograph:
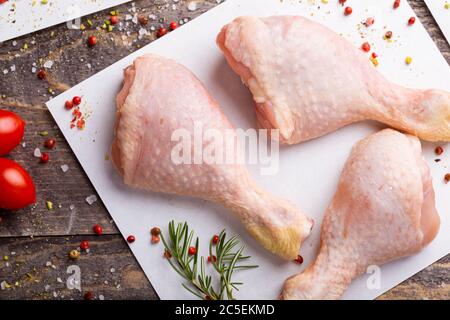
(38, 235)
(37, 269)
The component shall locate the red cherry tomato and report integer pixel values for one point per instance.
(16, 185)
(12, 128)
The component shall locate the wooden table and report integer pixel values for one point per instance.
(37, 240)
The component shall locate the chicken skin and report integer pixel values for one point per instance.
(159, 97)
(308, 81)
(384, 209)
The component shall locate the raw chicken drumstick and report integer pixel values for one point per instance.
(160, 96)
(308, 81)
(383, 210)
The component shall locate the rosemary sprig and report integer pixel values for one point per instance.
(199, 282)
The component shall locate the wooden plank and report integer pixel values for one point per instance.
(37, 269)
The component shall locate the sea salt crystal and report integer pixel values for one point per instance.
(192, 6)
(71, 207)
(48, 64)
(142, 32)
(37, 153)
(101, 297)
(128, 17)
(65, 168)
(13, 68)
(3, 285)
(5, 71)
(91, 199)
(48, 264)
(33, 70)
(112, 270)
(59, 280)
(47, 287)
(14, 43)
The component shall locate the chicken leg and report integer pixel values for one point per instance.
(308, 81)
(384, 209)
(160, 97)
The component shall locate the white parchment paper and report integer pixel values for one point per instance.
(309, 172)
(19, 17)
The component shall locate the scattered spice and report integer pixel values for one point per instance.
(131, 239)
(299, 259)
(411, 21)
(447, 178)
(49, 205)
(348, 11)
(43, 133)
(192, 251)
(161, 32)
(76, 100)
(88, 295)
(369, 21)
(155, 231)
(439, 150)
(50, 143)
(408, 60)
(155, 239)
(84, 245)
(396, 4)
(92, 41)
(143, 20)
(173, 25)
(374, 55)
(45, 157)
(167, 254)
(98, 230)
(342, 1)
(81, 123)
(365, 47)
(388, 35)
(74, 254)
(68, 105)
(42, 74)
(114, 19)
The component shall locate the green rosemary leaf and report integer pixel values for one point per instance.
(192, 291)
(187, 266)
